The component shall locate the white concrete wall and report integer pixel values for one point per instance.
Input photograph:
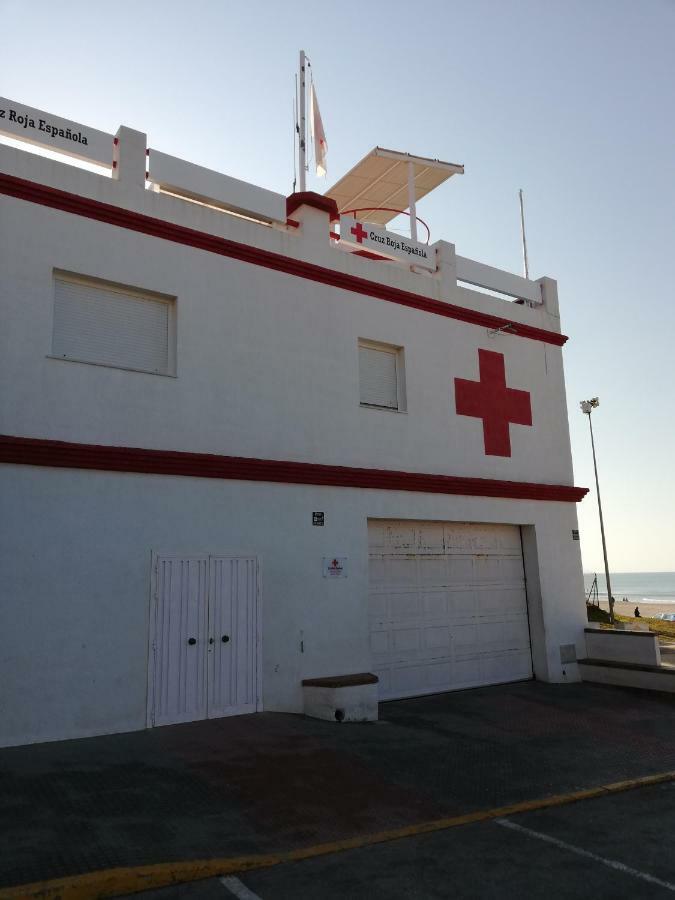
(623, 646)
(77, 574)
(267, 362)
(266, 367)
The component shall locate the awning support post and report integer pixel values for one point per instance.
(412, 208)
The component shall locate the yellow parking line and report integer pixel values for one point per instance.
(113, 882)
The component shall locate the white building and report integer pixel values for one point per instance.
(236, 456)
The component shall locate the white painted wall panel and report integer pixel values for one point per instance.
(477, 273)
(267, 362)
(268, 367)
(187, 179)
(94, 615)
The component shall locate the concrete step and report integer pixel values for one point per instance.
(623, 674)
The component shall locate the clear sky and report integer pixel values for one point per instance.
(572, 100)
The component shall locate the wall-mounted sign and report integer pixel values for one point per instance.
(317, 518)
(25, 123)
(335, 567)
(363, 236)
(575, 534)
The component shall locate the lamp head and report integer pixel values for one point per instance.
(587, 406)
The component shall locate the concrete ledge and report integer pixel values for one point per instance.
(342, 698)
(640, 647)
(622, 674)
(620, 632)
(186, 179)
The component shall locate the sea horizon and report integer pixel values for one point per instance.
(643, 587)
(632, 572)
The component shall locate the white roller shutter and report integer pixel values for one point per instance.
(110, 326)
(378, 377)
(447, 606)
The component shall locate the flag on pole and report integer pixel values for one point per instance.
(318, 134)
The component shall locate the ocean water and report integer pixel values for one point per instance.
(645, 587)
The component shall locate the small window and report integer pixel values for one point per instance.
(381, 375)
(112, 325)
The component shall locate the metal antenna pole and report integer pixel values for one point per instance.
(412, 206)
(302, 138)
(526, 268)
(610, 599)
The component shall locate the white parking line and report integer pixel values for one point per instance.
(238, 888)
(610, 863)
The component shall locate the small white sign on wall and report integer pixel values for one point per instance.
(335, 567)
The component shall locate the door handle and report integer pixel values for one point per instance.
(225, 638)
(210, 640)
(192, 641)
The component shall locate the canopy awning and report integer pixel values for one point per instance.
(381, 180)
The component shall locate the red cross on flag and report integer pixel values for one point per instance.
(318, 134)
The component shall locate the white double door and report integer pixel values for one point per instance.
(204, 638)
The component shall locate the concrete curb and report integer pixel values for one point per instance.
(113, 882)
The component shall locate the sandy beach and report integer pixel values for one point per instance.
(647, 610)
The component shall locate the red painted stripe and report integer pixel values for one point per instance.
(124, 218)
(311, 198)
(61, 454)
(368, 254)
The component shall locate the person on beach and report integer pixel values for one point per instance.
(637, 612)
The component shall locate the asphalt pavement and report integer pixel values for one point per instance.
(273, 783)
(618, 848)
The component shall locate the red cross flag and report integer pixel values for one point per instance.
(318, 134)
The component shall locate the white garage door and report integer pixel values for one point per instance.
(447, 606)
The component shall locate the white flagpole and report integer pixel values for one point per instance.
(522, 230)
(302, 139)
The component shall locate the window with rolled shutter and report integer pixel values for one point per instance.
(379, 376)
(110, 325)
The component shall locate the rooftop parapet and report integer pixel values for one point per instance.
(133, 166)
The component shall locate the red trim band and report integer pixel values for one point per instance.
(368, 254)
(65, 455)
(124, 218)
(311, 198)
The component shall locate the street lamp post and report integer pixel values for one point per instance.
(587, 407)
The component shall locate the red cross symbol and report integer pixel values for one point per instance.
(359, 233)
(492, 401)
